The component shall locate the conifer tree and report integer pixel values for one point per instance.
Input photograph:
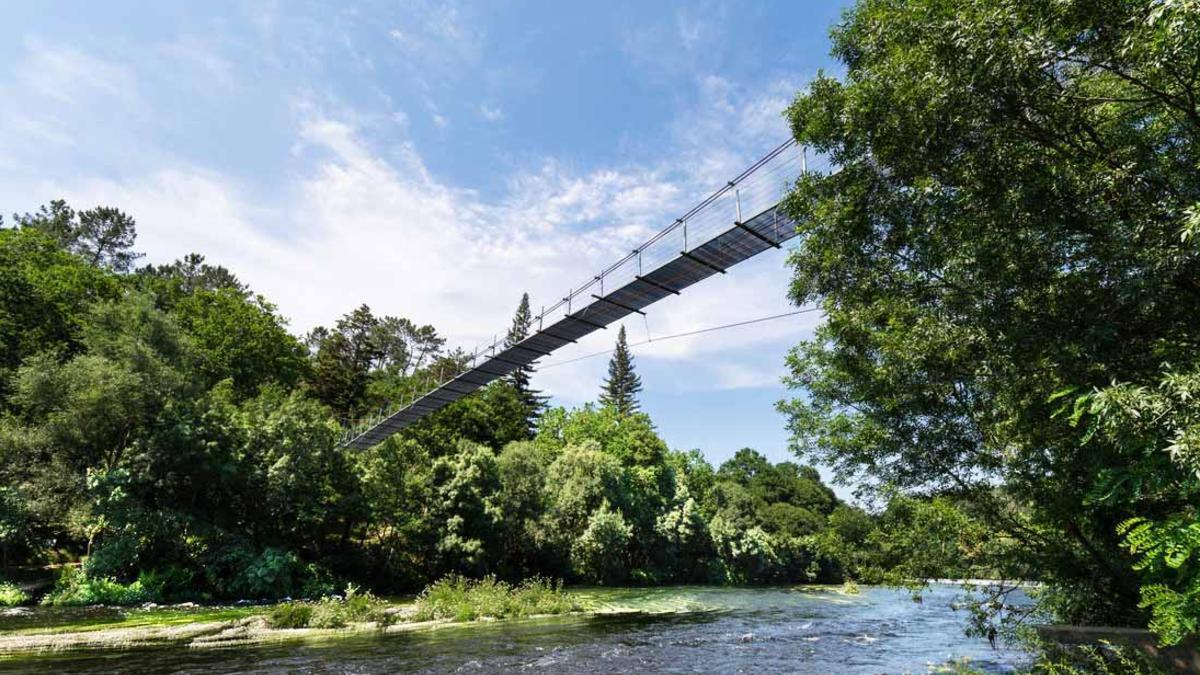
(520, 378)
(621, 388)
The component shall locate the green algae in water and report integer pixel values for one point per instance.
(51, 620)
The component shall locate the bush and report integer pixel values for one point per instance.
(331, 612)
(270, 574)
(459, 599)
(11, 595)
(290, 615)
(75, 588)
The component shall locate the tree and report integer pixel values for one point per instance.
(103, 236)
(622, 386)
(599, 553)
(45, 293)
(520, 378)
(242, 338)
(186, 277)
(1011, 218)
(343, 361)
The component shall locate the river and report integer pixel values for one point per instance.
(667, 630)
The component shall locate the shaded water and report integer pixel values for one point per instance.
(672, 630)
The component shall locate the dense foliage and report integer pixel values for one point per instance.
(163, 427)
(1008, 262)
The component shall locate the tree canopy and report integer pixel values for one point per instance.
(1011, 232)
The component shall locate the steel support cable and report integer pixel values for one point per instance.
(690, 333)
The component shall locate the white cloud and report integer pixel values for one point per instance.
(491, 113)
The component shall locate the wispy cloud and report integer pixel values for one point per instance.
(66, 74)
(491, 113)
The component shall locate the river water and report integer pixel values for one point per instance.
(668, 630)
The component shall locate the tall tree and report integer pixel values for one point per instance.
(103, 236)
(623, 384)
(520, 378)
(343, 360)
(1009, 224)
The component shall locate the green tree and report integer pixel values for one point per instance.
(599, 553)
(623, 384)
(466, 486)
(400, 534)
(186, 277)
(1010, 219)
(521, 377)
(45, 294)
(242, 338)
(102, 237)
(343, 361)
(522, 466)
(577, 483)
(1156, 424)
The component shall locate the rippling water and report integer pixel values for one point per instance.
(671, 630)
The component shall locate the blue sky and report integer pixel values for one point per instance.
(433, 160)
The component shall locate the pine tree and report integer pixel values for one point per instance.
(520, 378)
(621, 388)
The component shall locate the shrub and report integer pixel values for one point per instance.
(11, 595)
(331, 612)
(290, 615)
(74, 588)
(270, 574)
(459, 599)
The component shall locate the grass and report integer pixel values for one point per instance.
(52, 620)
(456, 598)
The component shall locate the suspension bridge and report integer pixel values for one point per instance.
(737, 222)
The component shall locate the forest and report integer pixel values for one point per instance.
(162, 426)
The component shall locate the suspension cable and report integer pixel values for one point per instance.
(690, 333)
